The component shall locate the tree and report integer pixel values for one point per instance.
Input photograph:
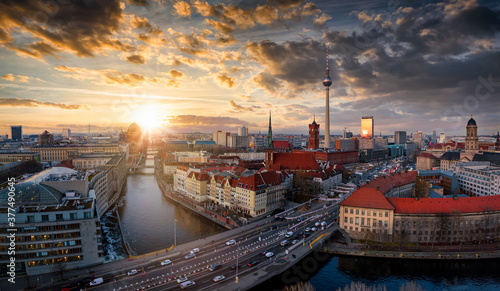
(59, 266)
(411, 286)
(301, 286)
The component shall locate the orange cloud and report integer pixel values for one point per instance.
(18, 102)
(182, 8)
(225, 80)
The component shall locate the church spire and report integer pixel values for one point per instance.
(270, 134)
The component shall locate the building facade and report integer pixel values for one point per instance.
(313, 135)
(65, 152)
(367, 127)
(399, 137)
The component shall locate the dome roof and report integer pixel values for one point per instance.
(471, 122)
(32, 193)
(134, 128)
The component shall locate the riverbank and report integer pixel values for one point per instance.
(490, 251)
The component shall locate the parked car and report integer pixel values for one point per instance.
(132, 272)
(219, 278)
(189, 256)
(253, 263)
(166, 262)
(230, 242)
(182, 279)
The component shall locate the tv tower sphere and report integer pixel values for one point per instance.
(327, 81)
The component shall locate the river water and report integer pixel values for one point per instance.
(148, 224)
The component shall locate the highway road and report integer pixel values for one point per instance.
(248, 247)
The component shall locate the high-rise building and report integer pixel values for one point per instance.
(16, 132)
(434, 137)
(66, 132)
(400, 137)
(327, 82)
(347, 134)
(313, 135)
(243, 131)
(367, 126)
(442, 137)
(418, 139)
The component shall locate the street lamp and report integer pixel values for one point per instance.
(237, 257)
(175, 233)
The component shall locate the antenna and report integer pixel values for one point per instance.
(327, 52)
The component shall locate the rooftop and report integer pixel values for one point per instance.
(367, 198)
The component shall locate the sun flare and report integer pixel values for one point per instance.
(148, 117)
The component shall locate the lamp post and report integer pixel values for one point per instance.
(237, 260)
(175, 233)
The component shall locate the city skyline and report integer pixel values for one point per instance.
(198, 66)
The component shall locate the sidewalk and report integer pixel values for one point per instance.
(124, 265)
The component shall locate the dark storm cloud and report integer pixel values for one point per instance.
(83, 27)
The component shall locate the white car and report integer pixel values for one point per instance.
(193, 251)
(289, 234)
(182, 279)
(230, 242)
(314, 229)
(189, 256)
(219, 278)
(269, 254)
(166, 262)
(132, 272)
(308, 229)
(295, 241)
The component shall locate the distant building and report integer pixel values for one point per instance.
(366, 144)
(313, 135)
(478, 178)
(400, 137)
(442, 137)
(448, 160)
(243, 131)
(66, 132)
(51, 153)
(221, 137)
(426, 161)
(380, 142)
(434, 137)
(204, 145)
(471, 139)
(367, 127)
(347, 134)
(11, 157)
(418, 139)
(133, 137)
(16, 132)
(46, 138)
(345, 144)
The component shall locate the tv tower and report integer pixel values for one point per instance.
(327, 82)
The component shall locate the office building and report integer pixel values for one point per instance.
(16, 132)
(367, 127)
(400, 137)
(243, 131)
(66, 132)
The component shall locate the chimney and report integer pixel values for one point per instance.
(378, 188)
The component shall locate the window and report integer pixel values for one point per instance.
(345, 219)
(362, 212)
(357, 211)
(350, 220)
(357, 220)
(386, 214)
(374, 213)
(45, 217)
(386, 224)
(352, 211)
(362, 221)
(72, 216)
(31, 218)
(346, 210)
(59, 216)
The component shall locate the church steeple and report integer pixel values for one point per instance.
(270, 135)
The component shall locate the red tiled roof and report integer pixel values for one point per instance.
(199, 176)
(461, 145)
(446, 205)
(435, 146)
(281, 144)
(294, 161)
(427, 155)
(67, 164)
(367, 198)
(259, 181)
(386, 183)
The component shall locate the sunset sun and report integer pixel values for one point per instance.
(148, 117)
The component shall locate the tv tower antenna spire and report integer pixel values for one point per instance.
(327, 82)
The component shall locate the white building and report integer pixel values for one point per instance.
(478, 178)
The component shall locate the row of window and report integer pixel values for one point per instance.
(381, 223)
(52, 261)
(368, 212)
(59, 216)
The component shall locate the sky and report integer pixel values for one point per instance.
(202, 66)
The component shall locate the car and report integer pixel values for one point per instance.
(170, 278)
(166, 262)
(187, 284)
(132, 272)
(233, 266)
(189, 256)
(264, 253)
(253, 263)
(96, 281)
(314, 229)
(219, 278)
(182, 279)
(269, 254)
(316, 224)
(308, 229)
(215, 267)
(85, 281)
(230, 242)
(295, 241)
(289, 234)
(195, 250)
(284, 243)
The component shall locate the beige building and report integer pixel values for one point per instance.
(426, 161)
(197, 186)
(64, 152)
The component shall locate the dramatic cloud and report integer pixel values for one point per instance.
(19, 78)
(18, 102)
(144, 3)
(113, 77)
(81, 27)
(238, 108)
(225, 80)
(136, 59)
(175, 74)
(182, 8)
(205, 123)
